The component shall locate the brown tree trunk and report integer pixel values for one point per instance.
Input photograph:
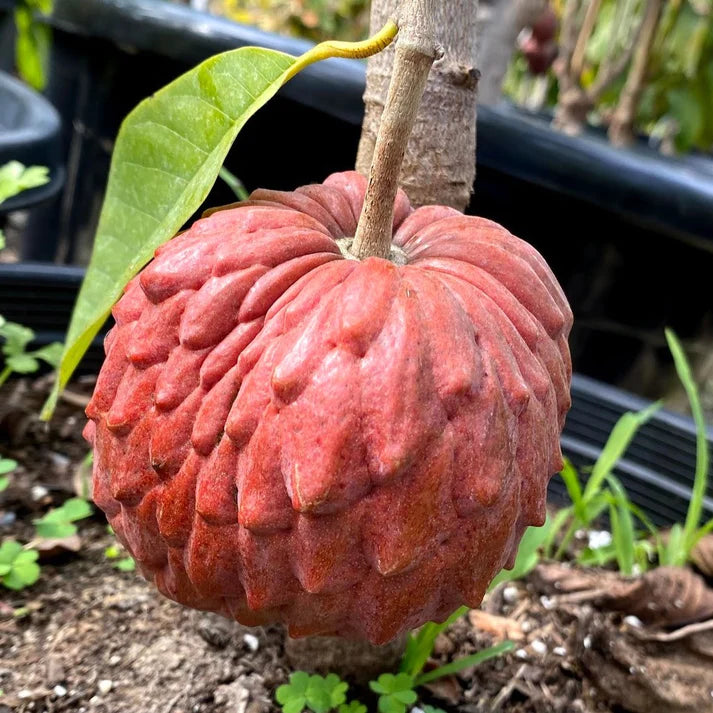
(439, 166)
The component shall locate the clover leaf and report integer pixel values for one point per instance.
(352, 707)
(319, 694)
(18, 566)
(395, 692)
(59, 523)
(6, 466)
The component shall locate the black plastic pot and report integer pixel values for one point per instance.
(627, 232)
(657, 470)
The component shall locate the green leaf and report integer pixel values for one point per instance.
(57, 523)
(23, 363)
(52, 353)
(617, 443)
(420, 645)
(166, 158)
(352, 707)
(18, 567)
(54, 530)
(528, 553)
(466, 662)
(234, 183)
(292, 696)
(4, 482)
(395, 692)
(32, 48)
(7, 465)
(700, 481)
(623, 535)
(126, 564)
(9, 551)
(111, 552)
(15, 177)
(16, 338)
(75, 509)
(574, 488)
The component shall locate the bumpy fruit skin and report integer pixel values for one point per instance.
(352, 448)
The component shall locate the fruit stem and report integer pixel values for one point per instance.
(416, 50)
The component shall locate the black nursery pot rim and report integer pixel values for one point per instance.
(673, 196)
(29, 133)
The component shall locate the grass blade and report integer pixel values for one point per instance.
(465, 662)
(700, 482)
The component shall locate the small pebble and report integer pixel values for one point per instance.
(587, 642)
(559, 651)
(511, 594)
(115, 660)
(104, 686)
(38, 492)
(416, 709)
(521, 654)
(539, 647)
(597, 539)
(526, 626)
(252, 642)
(24, 693)
(546, 602)
(59, 691)
(633, 621)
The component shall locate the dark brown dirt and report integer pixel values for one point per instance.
(88, 637)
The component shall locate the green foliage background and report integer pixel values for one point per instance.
(677, 104)
(316, 20)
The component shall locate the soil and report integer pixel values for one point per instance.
(88, 637)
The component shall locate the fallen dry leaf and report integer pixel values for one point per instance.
(56, 547)
(666, 596)
(499, 627)
(702, 555)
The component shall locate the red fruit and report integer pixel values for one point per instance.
(546, 26)
(539, 56)
(353, 448)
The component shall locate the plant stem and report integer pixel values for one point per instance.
(4, 374)
(621, 129)
(415, 52)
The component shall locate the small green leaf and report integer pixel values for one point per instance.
(466, 662)
(7, 465)
(396, 692)
(54, 530)
(52, 353)
(57, 523)
(16, 338)
(111, 552)
(292, 696)
(15, 178)
(9, 551)
(75, 509)
(127, 564)
(619, 439)
(4, 482)
(23, 363)
(352, 707)
(18, 567)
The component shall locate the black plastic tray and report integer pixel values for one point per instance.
(657, 469)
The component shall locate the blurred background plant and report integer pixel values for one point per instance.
(634, 66)
(316, 20)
